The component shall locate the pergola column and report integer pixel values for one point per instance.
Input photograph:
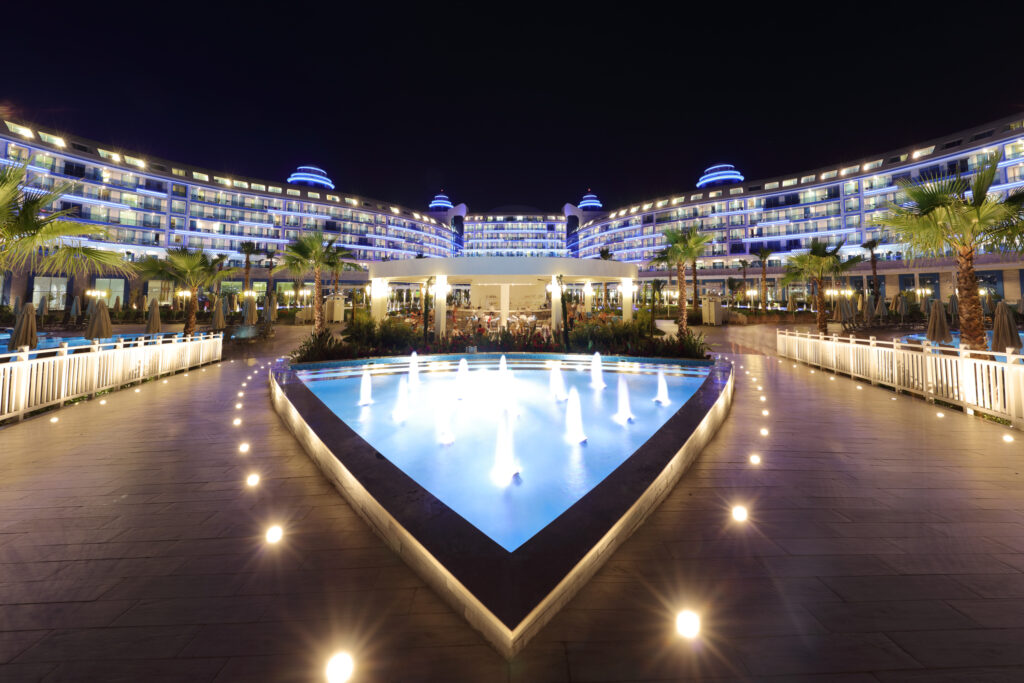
(588, 297)
(504, 299)
(378, 298)
(626, 289)
(556, 308)
(440, 304)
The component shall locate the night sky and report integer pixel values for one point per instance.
(511, 104)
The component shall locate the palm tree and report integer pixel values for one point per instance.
(948, 213)
(763, 254)
(744, 264)
(605, 254)
(249, 249)
(309, 253)
(269, 257)
(34, 237)
(340, 260)
(814, 266)
(190, 270)
(682, 248)
(871, 245)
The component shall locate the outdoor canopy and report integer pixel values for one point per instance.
(24, 330)
(217, 321)
(1004, 330)
(99, 323)
(153, 325)
(938, 330)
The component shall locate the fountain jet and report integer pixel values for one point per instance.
(365, 391)
(596, 373)
(556, 383)
(505, 467)
(502, 365)
(574, 419)
(414, 369)
(662, 396)
(462, 379)
(624, 414)
(401, 411)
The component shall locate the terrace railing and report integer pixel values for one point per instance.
(31, 380)
(984, 381)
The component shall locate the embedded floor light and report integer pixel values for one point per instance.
(238, 406)
(237, 421)
(860, 388)
(244, 384)
(274, 534)
(241, 394)
(764, 432)
(739, 513)
(940, 414)
(763, 398)
(252, 479)
(165, 381)
(832, 379)
(340, 667)
(765, 413)
(688, 624)
(1006, 437)
(755, 459)
(185, 375)
(138, 390)
(103, 402)
(760, 388)
(55, 418)
(243, 447)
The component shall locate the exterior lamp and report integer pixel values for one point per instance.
(441, 289)
(184, 293)
(751, 293)
(251, 293)
(588, 290)
(554, 290)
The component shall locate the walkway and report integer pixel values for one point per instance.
(884, 544)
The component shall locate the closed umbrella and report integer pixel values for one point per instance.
(894, 305)
(837, 312)
(90, 310)
(954, 308)
(76, 308)
(17, 306)
(44, 307)
(117, 305)
(860, 302)
(153, 325)
(938, 330)
(249, 311)
(1020, 306)
(272, 304)
(218, 322)
(986, 305)
(232, 303)
(1004, 330)
(902, 309)
(99, 323)
(869, 309)
(24, 330)
(880, 310)
(268, 312)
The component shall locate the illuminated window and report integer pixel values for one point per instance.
(275, 190)
(771, 186)
(222, 181)
(200, 176)
(829, 174)
(20, 130)
(133, 161)
(789, 182)
(923, 152)
(872, 164)
(294, 193)
(240, 183)
(52, 139)
(178, 171)
(259, 187)
(807, 179)
(112, 156)
(849, 169)
(313, 195)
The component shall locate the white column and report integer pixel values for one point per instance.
(378, 298)
(504, 299)
(440, 304)
(627, 299)
(588, 297)
(556, 309)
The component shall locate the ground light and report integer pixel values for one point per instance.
(237, 421)
(688, 624)
(764, 398)
(1006, 437)
(138, 390)
(238, 406)
(755, 459)
(340, 667)
(274, 534)
(54, 419)
(764, 431)
(241, 394)
(739, 513)
(252, 479)
(243, 447)
(940, 415)
(103, 402)
(765, 413)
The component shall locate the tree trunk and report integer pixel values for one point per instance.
(696, 301)
(764, 288)
(819, 297)
(318, 303)
(190, 312)
(681, 276)
(874, 273)
(972, 318)
(248, 269)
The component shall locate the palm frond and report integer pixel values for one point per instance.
(79, 260)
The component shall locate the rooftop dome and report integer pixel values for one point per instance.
(720, 174)
(441, 202)
(590, 202)
(311, 176)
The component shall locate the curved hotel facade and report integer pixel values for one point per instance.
(148, 205)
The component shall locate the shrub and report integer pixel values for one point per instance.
(320, 346)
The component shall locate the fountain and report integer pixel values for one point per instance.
(462, 380)
(443, 421)
(414, 370)
(624, 414)
(556, 383)
(502, 365)
(574, 419)
(505, 467)
(401, 411)
(662, 396)
(596, 374)
(365, 397)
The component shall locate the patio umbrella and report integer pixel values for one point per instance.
(17, 306)
(272, 305)
(837, 313)
(249, 311)
(153, 325)
(76, 308)
(217, 321)
(44, 307)
(846, 311)
(901, 308)
(895, 303)
(90, 310)
(954, 308)
(869, 309)
(938, 330)
(1020, 306)
(268, 312)
(232, 304)
(24, 330)
(99, 323)
(986, 305)
(860, 302)
(1004, 330)
(880, 310)
(117, 305)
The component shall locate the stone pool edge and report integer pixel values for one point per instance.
(508, 641)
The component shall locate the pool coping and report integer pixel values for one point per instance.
(507, 596)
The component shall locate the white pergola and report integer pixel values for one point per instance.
(505, 272)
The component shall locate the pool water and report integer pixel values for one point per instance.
(920, 339)
(509, 469)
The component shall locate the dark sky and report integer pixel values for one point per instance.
(509, 104)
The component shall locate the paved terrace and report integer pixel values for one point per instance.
(884, 544)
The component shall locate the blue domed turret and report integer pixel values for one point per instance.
(311, 176)
(440, 202)
(720, 174)
(590, 202)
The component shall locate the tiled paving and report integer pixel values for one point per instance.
(884, 544)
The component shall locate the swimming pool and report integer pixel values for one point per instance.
(491, 440)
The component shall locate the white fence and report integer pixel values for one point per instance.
(983, 381)
(57, 375)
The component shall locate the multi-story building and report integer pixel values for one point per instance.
(147, 205)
